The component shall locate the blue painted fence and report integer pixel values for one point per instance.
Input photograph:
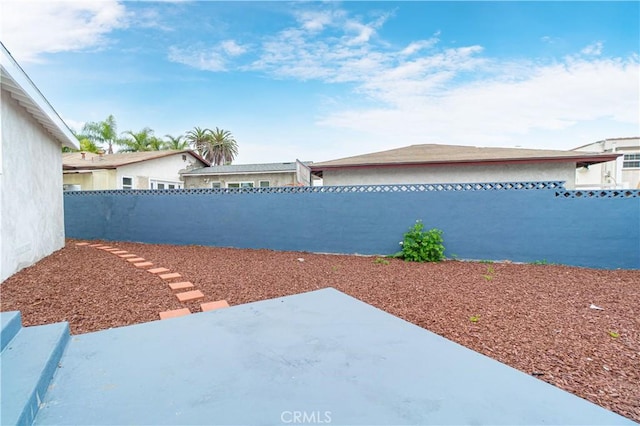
(522, 221)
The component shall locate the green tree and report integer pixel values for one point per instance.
(138, 141)
(102, 132)
(176, 143)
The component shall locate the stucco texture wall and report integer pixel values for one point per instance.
(453, 174)
(522, 225)
(275, 179)
(31, 221)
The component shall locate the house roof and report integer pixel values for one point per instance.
(246, 168)
(433, 154)
(14, 80)
(632, 138)
(91, 161)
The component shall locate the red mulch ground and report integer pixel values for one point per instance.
(536, 318)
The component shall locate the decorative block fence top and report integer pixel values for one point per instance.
(558, 186)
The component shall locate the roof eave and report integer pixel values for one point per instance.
(24, 91)
(582, 159)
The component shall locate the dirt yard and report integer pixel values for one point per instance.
(536, 318)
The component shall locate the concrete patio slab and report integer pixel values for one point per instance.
(321, 356)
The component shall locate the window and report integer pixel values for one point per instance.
(158, 184)
(240, 185)
(216, 185)
(127, 182)
(264, 184)
(631, 161)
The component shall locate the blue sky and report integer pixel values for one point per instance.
(324, 80)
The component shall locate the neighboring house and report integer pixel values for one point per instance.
(250, 175)
(31, 206)
(128, 170)
(456, 164)
(623, 172)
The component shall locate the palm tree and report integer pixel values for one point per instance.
(199, 139)
(217, 146)
(86, 144)
(224, 147)
(138, 141)
(176, 143)
(157, 144)
(102, 132)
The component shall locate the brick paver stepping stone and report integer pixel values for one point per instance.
(174, 313)
(112, 250)
(170, 276)
(95, 245)
(135, 259)
(143, 264)
(101, 247)
(158, 270)
(124, 256)
(181, 285)
(211, 306)
(190, 295)
(120, 252)
(82, 244)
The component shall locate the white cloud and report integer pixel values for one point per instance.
(215, 58)
(594, 49)
(30, 28)
(501, 111)
(232, 48)
(417, 46)
(210, 60)
(317, 20)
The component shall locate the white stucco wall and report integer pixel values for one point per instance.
(453, 174)
(611, 174)
(166, 169)
(31, 203)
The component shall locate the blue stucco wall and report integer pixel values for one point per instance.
(522, 222)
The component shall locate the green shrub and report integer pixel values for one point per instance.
(422, 246)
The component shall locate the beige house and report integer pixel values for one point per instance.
(130, 170)
(31, 203)
(250, 175)
(623, 172)
(457, 164)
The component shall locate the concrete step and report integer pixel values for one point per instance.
(11, 324)
(27, 365)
